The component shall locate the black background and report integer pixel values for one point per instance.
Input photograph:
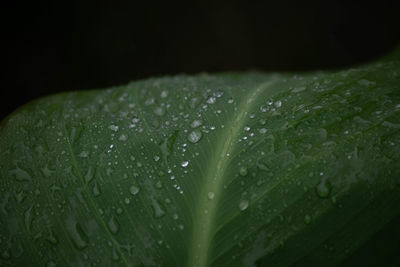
(53, 46)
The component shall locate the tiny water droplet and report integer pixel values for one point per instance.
(262, 131)
(156, 158)
(307, 219)
(243, 204)
(113, 128)
(184, 164)
(246, 128)
(158, 211)
(113, 225)
(243, 171)
(123, 137)
(323, 188)
(134, 190)
(196, 123)
(96, 190)
(210, 195)
(195, 136)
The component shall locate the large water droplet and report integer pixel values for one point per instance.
(323, 188)
(76, 233)
(243, 171)
(243, 204)
(20, 175)
(307, 219)
(158, 211)
(134, 190)
(113, 225)
(195, 136)
(184, 164)
(196, 123)
(113, 128)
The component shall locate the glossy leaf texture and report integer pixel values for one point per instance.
(235, 169)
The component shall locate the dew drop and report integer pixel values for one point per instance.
(159, 111)
(243, 204)
(96, 190)
(134, 190)
(196, 123)
(113, 225)
(113, 128)
(158, 211)
(262, 131)
(184, 164)
(323, 188)
(243, 171)
(211, 100)
(195, 136)
(307, 219)
(156, 158)
(278, 104)
(76, 233)
(210, 195)
(263, 108)
(123, 137)
(247, 128)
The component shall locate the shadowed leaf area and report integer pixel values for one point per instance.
(234, 169)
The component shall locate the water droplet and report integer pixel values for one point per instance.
(159, 111)
(113, 225)
(211, 100)
(194, 136)
(196, 123)
(156, 158)
(323, 188)
(307, 219)
(119, 211)
(6, 254)
(113, 128)
(175, 216)
(278, 104)
(134, 190)
(123, 137)
(164, 94)
(158, 211)
(262, 131)
(159, 184)
(21, 175)
(210, 195)
(263, 108)
(243, 204)
(246, 128)
(184, 164)
(76, 233)
(96, 190)
(51, 264)
(243, 171)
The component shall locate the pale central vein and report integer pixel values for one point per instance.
(203, 230)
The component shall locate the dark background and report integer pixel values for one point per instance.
(53, 46)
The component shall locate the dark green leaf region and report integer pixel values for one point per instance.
(233, 169)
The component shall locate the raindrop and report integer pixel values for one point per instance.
(243, 171)
(194, 136)
(134, 190)
(323, 188)
(196, 123)
(156, 158)
(113, 128)
(158, 211)
(210, 195)
(246, 128)
(278, 104)
(164, 94)
(262, 131)
(263, 108)
(243, 204)
(184, 164)
(76, 233)
(113, 225)
(159, 111)
(307, 219)
(96, 190)
(211, 100)
(123, 137)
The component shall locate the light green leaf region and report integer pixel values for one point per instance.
(237, 169)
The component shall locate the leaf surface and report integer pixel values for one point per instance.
(236, 169)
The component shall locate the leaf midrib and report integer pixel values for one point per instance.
(203, 232)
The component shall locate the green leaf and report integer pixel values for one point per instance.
(235, 169)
